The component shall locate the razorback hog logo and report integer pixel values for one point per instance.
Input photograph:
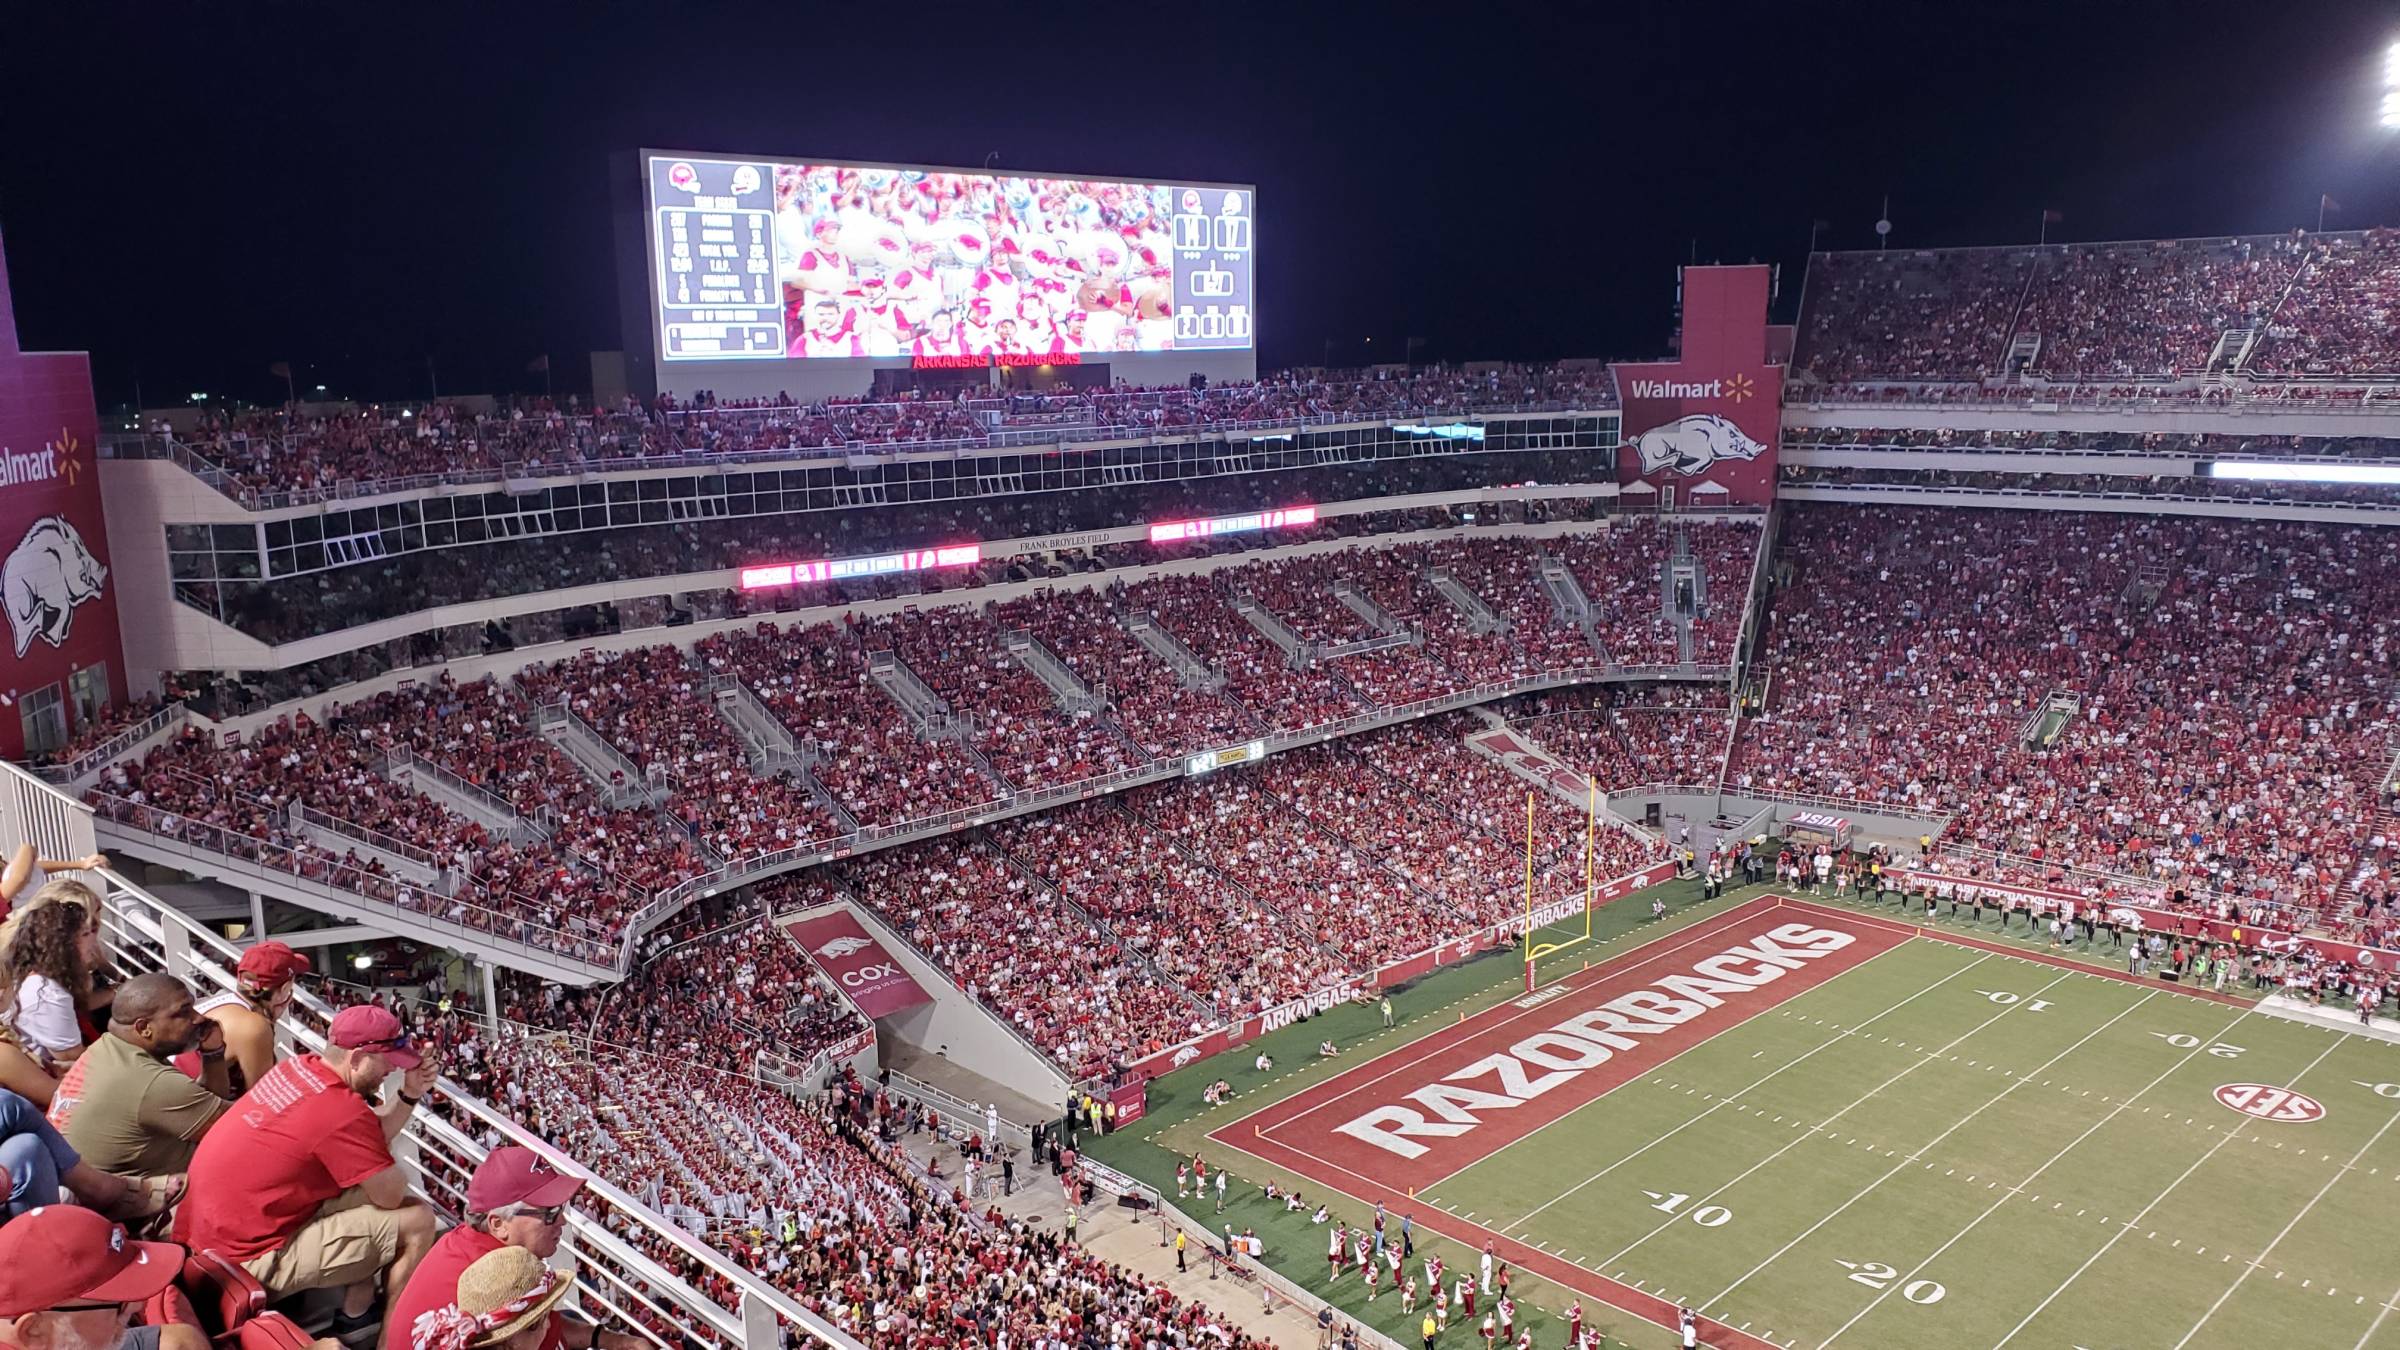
(1689, 445)
(48, 575)
(1185, 1056)
(1547, 1059)
(843, 946)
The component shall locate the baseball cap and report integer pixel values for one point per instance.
(376, 1031)
(66, 1253)
(519, 1176)
(270, 964)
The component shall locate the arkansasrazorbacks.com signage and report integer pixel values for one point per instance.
(1709, 419)
(54, 573)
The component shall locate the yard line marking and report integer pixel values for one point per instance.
(1835, 1039)
(2155, 1201)
(1863, 1098)
(1961, 1124)
(2377, 1325)
(2287, 1230)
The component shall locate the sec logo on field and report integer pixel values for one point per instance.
(2270, 1103)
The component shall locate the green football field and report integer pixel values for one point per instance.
(1943, 1145)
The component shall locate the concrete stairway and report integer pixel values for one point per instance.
(1479, 616)
(619, 780)
(458, 796)
(1189, 669)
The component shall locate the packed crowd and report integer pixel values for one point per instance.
(2231, 721)
(1087, 999)
(715, 997)
(1624, 736)
(1111, 930)
(2322, 306)
(1019, 723)
(815, 1198)
(1209, 932)
(2117, 311)
(358, 830)
(2194, 445)
(172, 1118)
(828, 750)
(317, 452)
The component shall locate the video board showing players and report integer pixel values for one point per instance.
(760, 260)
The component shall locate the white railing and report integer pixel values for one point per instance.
(144, 933)
(467, 918)
(957, 1114)
(32, 811)
(107, 752)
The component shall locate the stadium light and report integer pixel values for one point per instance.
(2391, 88)
(363, 961)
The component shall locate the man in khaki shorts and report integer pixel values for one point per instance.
(297, 1182)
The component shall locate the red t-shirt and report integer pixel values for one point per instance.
(435, 1285)
(293, 1142)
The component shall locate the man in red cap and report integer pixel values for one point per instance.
(71, 1280)
(298, 1184)
(515, 1199)
(263, 988)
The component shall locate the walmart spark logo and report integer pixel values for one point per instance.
(1740, 388)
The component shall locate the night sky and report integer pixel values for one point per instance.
(191, 191)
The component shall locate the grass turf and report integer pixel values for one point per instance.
(2055, 1175)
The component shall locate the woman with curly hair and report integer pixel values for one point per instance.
(46, 970)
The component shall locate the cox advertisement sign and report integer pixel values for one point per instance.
(857, 964)
(1705, 424)
(62, 659)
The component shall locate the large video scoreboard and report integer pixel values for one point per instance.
(767, 260)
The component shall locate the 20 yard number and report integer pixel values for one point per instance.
(1877, 1275)
(2184, 1041)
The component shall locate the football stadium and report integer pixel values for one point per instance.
(744, 738)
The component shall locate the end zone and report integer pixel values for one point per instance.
(1409, 1119)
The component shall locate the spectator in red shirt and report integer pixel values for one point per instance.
(515, 1199)
(298, 1183)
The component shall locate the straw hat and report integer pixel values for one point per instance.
(502, 1293)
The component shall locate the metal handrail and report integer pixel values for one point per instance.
(356, 885)
(102, 755)
(369, 836)
(146, 933)
(400, 757)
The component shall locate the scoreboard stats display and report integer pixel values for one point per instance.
(761, 259)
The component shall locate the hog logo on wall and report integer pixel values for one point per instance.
(62, 613)
(1692, 445)
(1707, 423)
(46, 576)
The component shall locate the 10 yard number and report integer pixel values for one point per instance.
(1707, 1216)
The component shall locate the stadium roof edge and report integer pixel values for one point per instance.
(2061, 245)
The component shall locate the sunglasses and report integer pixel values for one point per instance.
(546, 1214)
(129, 1309)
